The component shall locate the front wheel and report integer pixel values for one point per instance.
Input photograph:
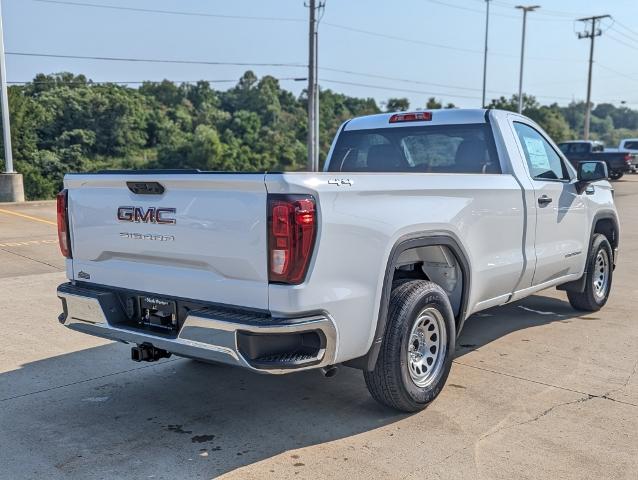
(615, 174)
(418, 345)
(600, 269)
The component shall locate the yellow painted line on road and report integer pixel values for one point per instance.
(28, 217)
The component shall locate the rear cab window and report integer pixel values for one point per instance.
(465, 148)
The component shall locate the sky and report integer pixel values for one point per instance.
(402, 48)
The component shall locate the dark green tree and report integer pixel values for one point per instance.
(397, 105)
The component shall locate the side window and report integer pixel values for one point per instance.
(544, 163)
(564, 147)
(580, 148)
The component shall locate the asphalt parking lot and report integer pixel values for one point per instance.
(536, 391)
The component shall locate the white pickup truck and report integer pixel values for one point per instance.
(418, 221)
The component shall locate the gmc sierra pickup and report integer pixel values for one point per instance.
(618, 163)
(418, 221)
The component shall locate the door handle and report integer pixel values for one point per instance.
(544, 200)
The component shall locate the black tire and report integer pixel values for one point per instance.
(391, 383)
(589, 299)
(615, 175)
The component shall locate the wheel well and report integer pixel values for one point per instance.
(436, 263)
(438, 258)
(607, 227)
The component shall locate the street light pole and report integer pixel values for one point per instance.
(487, 25)
(11, 186)
(4, 99)
(525, 9)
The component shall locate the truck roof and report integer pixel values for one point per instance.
(591, 142)
(439, 117)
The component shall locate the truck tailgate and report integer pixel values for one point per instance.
(214, 251)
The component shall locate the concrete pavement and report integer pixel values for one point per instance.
(536, 391)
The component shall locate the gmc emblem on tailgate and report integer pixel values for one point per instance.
(162, 216)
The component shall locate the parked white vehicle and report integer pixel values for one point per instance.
(630, 145)
(418, 221)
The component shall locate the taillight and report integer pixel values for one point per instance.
(292, 225)
(64, 236)
(411, 117)
(628, 158)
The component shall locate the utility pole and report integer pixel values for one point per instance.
(312, 82)
(317, 149)
(592, 33)
(520, 78)
(487, 25)
(11, 188)
(314, 7)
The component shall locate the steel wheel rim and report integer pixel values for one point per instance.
(427, 345)
(600, 278)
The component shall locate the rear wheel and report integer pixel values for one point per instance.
(615, 174)
(418, 345)
(600, 269)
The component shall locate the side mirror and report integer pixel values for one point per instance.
(590, 171)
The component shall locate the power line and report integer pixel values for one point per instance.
(545, 12)
(437, 45)
(622, 42)
(296, 79)
(422, 92)
(617, 72)
(404, 80)
(419, 82)
(467, 9)
(628, 37)
(202, 14)
(293, 65)
(394, 89)
(551, 13)
(155, 60)
(401, 39)
(168, 12)
(626, 28)
(331, 25)
(135, 82)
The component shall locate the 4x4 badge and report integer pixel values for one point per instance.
(341, 181)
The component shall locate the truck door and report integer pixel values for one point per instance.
(562, 233)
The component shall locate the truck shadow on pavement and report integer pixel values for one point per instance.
(94, 414)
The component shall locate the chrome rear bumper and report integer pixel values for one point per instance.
(206, 334)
